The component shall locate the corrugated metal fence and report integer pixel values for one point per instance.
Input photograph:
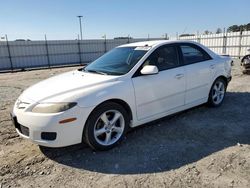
(15, 55)
(234, 44)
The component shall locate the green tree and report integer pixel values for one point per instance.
(186, 35)
(233, 28)
(206, 32)
(248, 27)
(219, 30)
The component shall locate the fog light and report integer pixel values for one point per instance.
(48, 135)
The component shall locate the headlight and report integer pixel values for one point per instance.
(53, 107)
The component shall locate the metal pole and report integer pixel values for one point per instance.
(80, 23)
(199, 38)
(8, 47)
(105, 43)
(79, 50)
(166, 36)
(128, 38)
(47, 50)
(224, 42)
(239, 52)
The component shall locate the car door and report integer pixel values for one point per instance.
(199, 68)
(159, 93)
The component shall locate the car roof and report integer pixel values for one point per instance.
(155, 43)
(144, 43)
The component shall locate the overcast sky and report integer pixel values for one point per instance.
(31, 19)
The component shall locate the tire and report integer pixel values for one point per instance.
(245, 65)
(246, 59)
(244, 72)
(217, 93)
(106, 126)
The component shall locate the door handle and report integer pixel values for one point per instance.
(212, 66)
(179, 76)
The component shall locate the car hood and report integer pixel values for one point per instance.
(63, 84)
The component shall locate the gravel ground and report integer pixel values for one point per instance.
(201, 147)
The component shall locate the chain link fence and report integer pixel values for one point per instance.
(20, 55)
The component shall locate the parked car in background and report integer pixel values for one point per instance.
(245, 63)
(130, 85)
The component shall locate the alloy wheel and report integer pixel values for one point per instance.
(109, 127)
(218, 92)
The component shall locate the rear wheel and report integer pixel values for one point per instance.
(217, 92)
(106, 126)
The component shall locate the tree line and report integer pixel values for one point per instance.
(236, 28)
(232, 28)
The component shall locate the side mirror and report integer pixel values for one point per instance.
(149, 70)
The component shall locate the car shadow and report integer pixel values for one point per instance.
(168, 143)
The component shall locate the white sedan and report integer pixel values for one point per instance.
(131, 85)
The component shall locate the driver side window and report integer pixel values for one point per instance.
(164, 58)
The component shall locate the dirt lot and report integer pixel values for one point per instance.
(201, 147)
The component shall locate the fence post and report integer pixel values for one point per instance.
(240, 43)
(105, 43)
(79, 51)
(198, 38)
(9, 54)
(166, 36)
(47, 50)
(224, 45)
(128, 39)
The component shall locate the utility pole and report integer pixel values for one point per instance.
(80, 23)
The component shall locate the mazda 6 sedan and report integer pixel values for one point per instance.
(130, 85)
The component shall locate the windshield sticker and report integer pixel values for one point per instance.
(145, 48)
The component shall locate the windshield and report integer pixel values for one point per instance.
(118, 61)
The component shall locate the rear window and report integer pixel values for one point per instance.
(193, 54)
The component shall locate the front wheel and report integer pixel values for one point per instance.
(217, 93)
(106, 126)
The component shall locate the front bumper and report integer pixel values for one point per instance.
(45, 129)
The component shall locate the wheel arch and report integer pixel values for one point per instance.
(117, 101)
(223, 78)
(248, 55)
(122, 103)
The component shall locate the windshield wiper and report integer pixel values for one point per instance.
(95, 71)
